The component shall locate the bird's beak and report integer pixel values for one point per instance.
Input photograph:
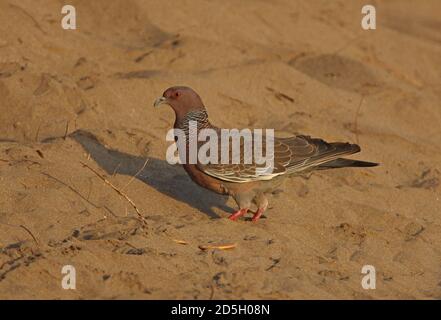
(159, 101)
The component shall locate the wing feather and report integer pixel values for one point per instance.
(291, 155)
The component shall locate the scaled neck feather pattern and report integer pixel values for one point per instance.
(199, 115)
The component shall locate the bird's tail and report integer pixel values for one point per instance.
(326, 155)
(341, 162)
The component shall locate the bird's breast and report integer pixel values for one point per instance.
(204, 180)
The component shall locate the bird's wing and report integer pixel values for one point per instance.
(310, 152)
(245, 171)
(293, 154)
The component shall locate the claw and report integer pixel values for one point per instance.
(239, 213)
(258, 214)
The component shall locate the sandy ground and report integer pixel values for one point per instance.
(68, 97)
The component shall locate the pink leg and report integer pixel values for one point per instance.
(258, 214)
(239, 213)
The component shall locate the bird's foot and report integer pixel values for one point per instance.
(258, 214)
(239, 213)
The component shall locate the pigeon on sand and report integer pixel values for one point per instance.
(247, 185)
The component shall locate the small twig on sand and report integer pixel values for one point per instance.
(220, 247)
(38, 132)
(356, 119)
(139, 171)
(31, 234)
(122, 194)
(70, 188)
(116, 169)
(211, 292)
(183, 242)
(66, 130)
(24, 228)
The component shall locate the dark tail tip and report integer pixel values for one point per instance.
(340, 163)
(364, 164)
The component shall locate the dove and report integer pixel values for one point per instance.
(244, 182)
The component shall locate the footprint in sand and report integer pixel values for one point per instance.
(338, 72)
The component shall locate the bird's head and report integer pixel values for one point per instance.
(181, 99)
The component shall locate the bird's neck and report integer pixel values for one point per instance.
(199, 117)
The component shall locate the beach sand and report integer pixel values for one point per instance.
(69, 97)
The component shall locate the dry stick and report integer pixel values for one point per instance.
(133, 178)
(356, 119)
(29, 231)
(23, 227)
(66, 130)
(71, 188)
(183, 242)
(36, 24)
(90, 189)
(116, 169)
(211, 292)
(221, 247)
(38, 132)
(122, 194)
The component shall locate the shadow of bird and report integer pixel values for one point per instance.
(163, 177)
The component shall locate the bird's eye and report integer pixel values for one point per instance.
(177, 94)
